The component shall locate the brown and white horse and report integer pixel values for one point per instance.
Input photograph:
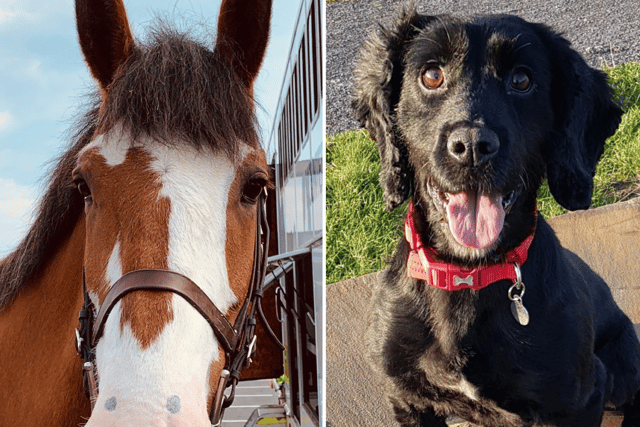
(164, 173)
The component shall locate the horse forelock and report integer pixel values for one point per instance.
(175, 90)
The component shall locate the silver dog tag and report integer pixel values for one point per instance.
(519, 312)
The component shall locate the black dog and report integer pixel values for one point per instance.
(468, 115)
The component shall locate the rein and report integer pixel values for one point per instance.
(238, 340)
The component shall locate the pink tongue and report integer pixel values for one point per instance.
(475, 220)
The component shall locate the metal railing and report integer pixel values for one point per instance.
(279, 265)
(290, 272)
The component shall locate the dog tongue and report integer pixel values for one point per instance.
(475, 219)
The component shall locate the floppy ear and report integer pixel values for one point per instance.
(585, 116)
(378, 79)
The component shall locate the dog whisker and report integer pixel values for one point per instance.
(521, 47)
(446, 28)
(432, 41)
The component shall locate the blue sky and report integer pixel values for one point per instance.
(44, 79)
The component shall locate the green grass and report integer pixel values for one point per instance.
(359, 228)
(361, 234)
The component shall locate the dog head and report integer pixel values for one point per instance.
(469, 113)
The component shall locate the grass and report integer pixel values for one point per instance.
(361, 234)
(359, 228)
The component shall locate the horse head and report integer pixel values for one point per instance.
(170, 180)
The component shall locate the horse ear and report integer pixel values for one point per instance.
(105, 37)
(585, 116)
(378, 79)
(243, 33)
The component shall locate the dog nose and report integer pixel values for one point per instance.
(473, 146)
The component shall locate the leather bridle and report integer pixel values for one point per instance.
(238, 340)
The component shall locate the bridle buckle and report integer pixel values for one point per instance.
(220, 400)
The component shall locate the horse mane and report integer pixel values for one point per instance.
(171, 89)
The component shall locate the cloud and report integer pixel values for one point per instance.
(6, 120)
(6, 16)
(16, 207)
(16, 13)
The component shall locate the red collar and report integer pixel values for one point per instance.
(423, 264)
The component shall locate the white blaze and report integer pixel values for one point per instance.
(113, 146)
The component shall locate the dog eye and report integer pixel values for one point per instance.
(520, 81)
(433, 77)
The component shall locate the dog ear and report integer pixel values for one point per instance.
(585, 116)
(378, 80)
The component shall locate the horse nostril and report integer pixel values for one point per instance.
(110, 404)
(173, 404)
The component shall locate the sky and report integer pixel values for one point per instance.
(44, 80)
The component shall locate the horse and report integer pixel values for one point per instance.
(151, 227)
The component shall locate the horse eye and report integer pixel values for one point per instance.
(83, 189)
(433, 77)
(252, 190)
(520, 81)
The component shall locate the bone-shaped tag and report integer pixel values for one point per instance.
(457, 281)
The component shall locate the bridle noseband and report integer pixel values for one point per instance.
(238, 340)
